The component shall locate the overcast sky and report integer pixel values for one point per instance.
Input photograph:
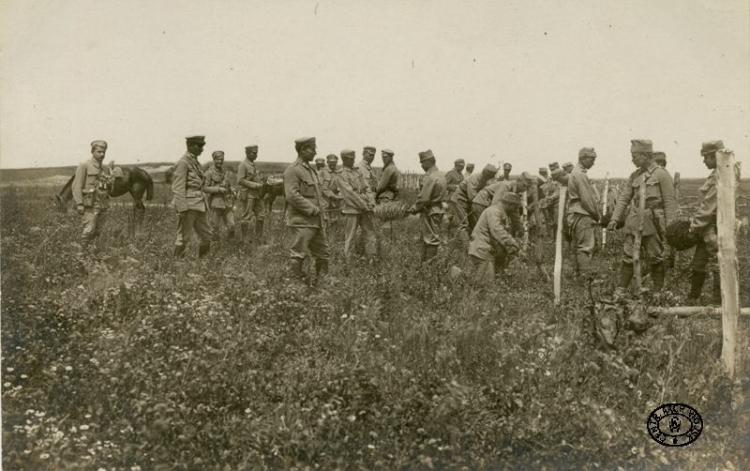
(522, 81)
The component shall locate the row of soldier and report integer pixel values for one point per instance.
(485, 207)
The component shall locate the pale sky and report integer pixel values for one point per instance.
(524, 81)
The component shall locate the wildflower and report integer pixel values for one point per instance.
(351, 418)
(84, 427)
(68, 368)
(44, 456)
(9, 369)
(24, 376)
(7, 385)
(53, 369)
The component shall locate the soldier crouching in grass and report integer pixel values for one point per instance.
(661, 209)
(429, 205)
(220, 199)
(91, 192)
(304, 217)
(189, 199)
(491, 246)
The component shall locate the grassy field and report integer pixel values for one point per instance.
(128, 359)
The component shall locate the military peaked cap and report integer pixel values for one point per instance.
(490, 170)
(196, 139)
(320, 160)
(347, 153)
(102, 144)
(251, 147)
(711, 146)
(217, 154)
(366, 148)
(427, 154)
(659, 155)
(567, 164)
(332, 157)
(459, 161)
(387, 152)
(641, 145)
(305, 140)
(586, 152)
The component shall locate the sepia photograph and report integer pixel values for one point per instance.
(375, 235)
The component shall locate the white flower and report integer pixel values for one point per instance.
(68, 368)
(84, 427)
(44, 456)
(9, 369)
(53, 369)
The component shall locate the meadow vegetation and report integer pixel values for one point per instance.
(127, 359)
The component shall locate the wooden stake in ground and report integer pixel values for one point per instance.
(639, 236)
(605, 198)
(730, 286)
(525, 206)
(558, 243)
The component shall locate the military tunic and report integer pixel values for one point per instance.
(387, 189)
(452, 179)
(221, 205)
(429, 204)
(491, 244)
(582, 215)
(369, 174)
(304, 218)
(661, 209)
(190, 201)
(461, 201)
(250, 185)
(91, 190)
(358, 203)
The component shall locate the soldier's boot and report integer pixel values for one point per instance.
(716, 289)
(657, 276)
(321, 267)
(697, 278)
(259, 231)
(295, 267)
(430, 251)
(179, 251)
(204, 249)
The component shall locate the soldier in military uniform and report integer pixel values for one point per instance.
(660, 158)
(387, 189)
(304, 217)
(250, 186)
(326, 177)
(492, 245)
(661, 209)
(320, 164)
(583, 211)
(189, 199)
(91, 192)
(469, 170)
(358, 201)
(507, 167)
(464, 195)
(220, 196)
(429, 205)
(453, 178)
(568, 167)
(365, 166)
(703, 227)
(491, 195)
(551, 191)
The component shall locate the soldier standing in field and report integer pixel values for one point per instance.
(660, 158)
(551, 191)
(189, 199)
(429, 205)
(358, 203)
(469, 170)
(220, 196)
(464, 195)
(304, 217)
(250, 186)
(365, 166)
(387, 189)
(583, 211)
(492, 246)
(661, 209)
(91, 192)
(568, 167)
(703, 228)
(452, 179)
(320, 164)
(325, 176)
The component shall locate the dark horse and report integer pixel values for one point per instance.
(134, 180)
(272, 188)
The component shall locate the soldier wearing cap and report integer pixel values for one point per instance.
(387, 189)
(358, 203)
(91, 192)
(304, 217)
(568, 167)
(492, 245)
(189, 199)
(220, 196)
(365, 166)
(326, 176)
(492, 195)
(543, 174)
(251, 186)
(320, 163)
(583, 211)
(551, 190)
(464, 196)
(429, 205)
(660, 158)
(452, 179)
(661, 210)
(703, 227)
(469, 170)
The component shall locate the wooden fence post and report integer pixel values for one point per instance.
(730, 287)
(604, 200)
(525, 207)
(639, 235)
(558, 243)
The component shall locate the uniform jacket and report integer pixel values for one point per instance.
(705, 217)
(187, 184)
(467, 190)
(326, 181)
(581, 194)
(661, 207)
(452, 179)
(90, 185)
(215, 180)
(369, 174)
(491, 233)
(388, 184)
(248, 180)
(351, 184)
(431, 192)
(551, 191)
(303, 195)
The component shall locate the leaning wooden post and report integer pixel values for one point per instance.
(639, 236)
(558, 243)
(525, 206)
(605, 197)
(730, 286)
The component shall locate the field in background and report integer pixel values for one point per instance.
(127, 358)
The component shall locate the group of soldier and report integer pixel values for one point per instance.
(483, 208)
